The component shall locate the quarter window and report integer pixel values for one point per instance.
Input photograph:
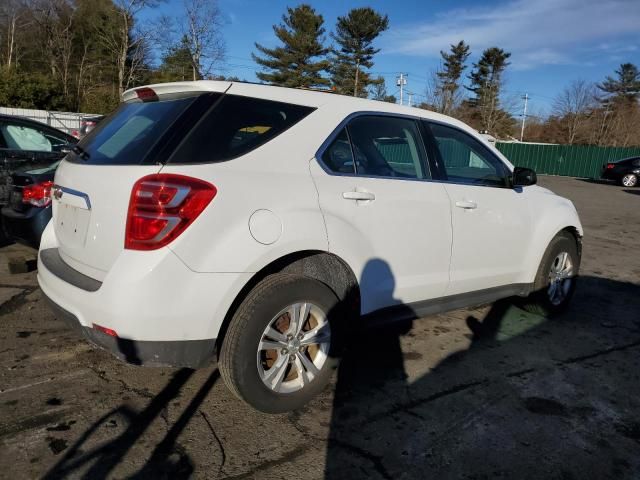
(466, 160)
(338, 157)
(388, 147)
(235, 127)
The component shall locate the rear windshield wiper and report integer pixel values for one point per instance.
(82, 153)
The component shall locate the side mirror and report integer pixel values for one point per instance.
(523, 177)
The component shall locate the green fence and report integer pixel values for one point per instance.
(566, 160)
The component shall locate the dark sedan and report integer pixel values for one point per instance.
(625, 172)
(29, 208)
(29, 152)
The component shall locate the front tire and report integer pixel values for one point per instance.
(280, 348)
(555, 281)
(629, 180)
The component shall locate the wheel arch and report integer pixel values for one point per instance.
(575, 233)
(323, 266)
(571, 230)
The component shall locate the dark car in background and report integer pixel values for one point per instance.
(89, 123)
(29, 208)
(29, 152)
(626, 172)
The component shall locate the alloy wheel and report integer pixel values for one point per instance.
(294, 347)
(629, 180)
(560, 278)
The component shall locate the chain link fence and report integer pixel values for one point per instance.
(68, 122)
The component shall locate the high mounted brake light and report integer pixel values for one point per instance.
(162, 206)
(146, 94)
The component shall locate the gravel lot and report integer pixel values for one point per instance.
(522, 397)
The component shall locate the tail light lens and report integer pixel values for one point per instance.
(38, 194)
(610, 166)
(162, 206)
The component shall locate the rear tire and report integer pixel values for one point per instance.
(270, 357)
(555, 281)
(629, 180)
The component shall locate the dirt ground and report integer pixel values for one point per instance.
(491, 392)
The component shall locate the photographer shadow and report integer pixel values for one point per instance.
(449, 421)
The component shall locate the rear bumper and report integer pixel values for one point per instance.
(186, 353)
(152, 301)
(609, 175)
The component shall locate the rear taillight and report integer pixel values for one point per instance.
(162, 206)
(38, 195)
(610, 166)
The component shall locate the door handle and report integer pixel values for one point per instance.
(466, 204)
(358, 196)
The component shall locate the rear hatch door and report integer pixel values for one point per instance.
(93, 183)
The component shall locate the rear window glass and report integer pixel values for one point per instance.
(236, 126)
(129, 135)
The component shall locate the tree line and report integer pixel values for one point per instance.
(303, 60)
(605, 113)
(80, 55)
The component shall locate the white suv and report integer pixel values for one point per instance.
(254, 223)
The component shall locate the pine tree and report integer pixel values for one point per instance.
(448, 78)
(486, 77)
(486, 82)
(292, 64)
(379, 91)
(354, 35)
(177, 64)
(625, 88)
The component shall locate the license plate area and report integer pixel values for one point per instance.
(72, 215)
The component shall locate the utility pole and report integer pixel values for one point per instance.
(524, 114)
(410, 97)
(401, 81)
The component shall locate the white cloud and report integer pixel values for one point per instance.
(536, 32)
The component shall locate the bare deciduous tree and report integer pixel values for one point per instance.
(12, 13)
(573, 106)
(54, 22)
(125, 44)
(201, 31)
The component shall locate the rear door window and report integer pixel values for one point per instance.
(388, 147)
(236, 126)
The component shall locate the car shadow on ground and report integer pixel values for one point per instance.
(167, 460)
(522, 400)
(519, 400)
(635, 191)
(600, 181)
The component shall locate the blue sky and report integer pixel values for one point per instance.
(552, 42)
